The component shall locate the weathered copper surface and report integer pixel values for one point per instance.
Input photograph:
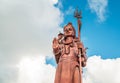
(70, 54)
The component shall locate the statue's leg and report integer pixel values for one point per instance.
(76, 75)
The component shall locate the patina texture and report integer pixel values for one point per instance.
(70, 55)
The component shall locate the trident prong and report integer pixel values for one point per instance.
(77, 14)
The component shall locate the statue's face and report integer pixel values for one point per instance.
(69, 31)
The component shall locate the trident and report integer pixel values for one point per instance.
(77, 15)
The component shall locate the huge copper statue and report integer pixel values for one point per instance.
(70, 54)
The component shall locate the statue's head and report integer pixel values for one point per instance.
(69, 30)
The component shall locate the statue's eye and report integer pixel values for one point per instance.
(65, 29)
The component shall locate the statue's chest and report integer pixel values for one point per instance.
(68, 50)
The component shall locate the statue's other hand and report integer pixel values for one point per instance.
(55, 43)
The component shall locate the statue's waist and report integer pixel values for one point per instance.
(68, 58)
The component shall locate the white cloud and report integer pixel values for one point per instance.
(34, 70)
(60, 5)
(27, 28)
(98, 70)
(102, 70)
(99, 7)
(55, 1)
(70, 11)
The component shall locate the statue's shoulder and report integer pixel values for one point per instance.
(78, 42)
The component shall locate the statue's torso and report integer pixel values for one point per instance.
(69, 50)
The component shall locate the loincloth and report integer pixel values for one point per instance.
(65, 69)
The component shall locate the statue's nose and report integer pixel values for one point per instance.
(67, 30)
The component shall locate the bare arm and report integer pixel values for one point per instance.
(56, 49)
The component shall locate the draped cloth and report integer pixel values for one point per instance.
(66, 70)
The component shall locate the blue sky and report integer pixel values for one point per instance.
(101, 37)
(27, 28)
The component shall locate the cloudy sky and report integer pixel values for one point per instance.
(27, 28)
